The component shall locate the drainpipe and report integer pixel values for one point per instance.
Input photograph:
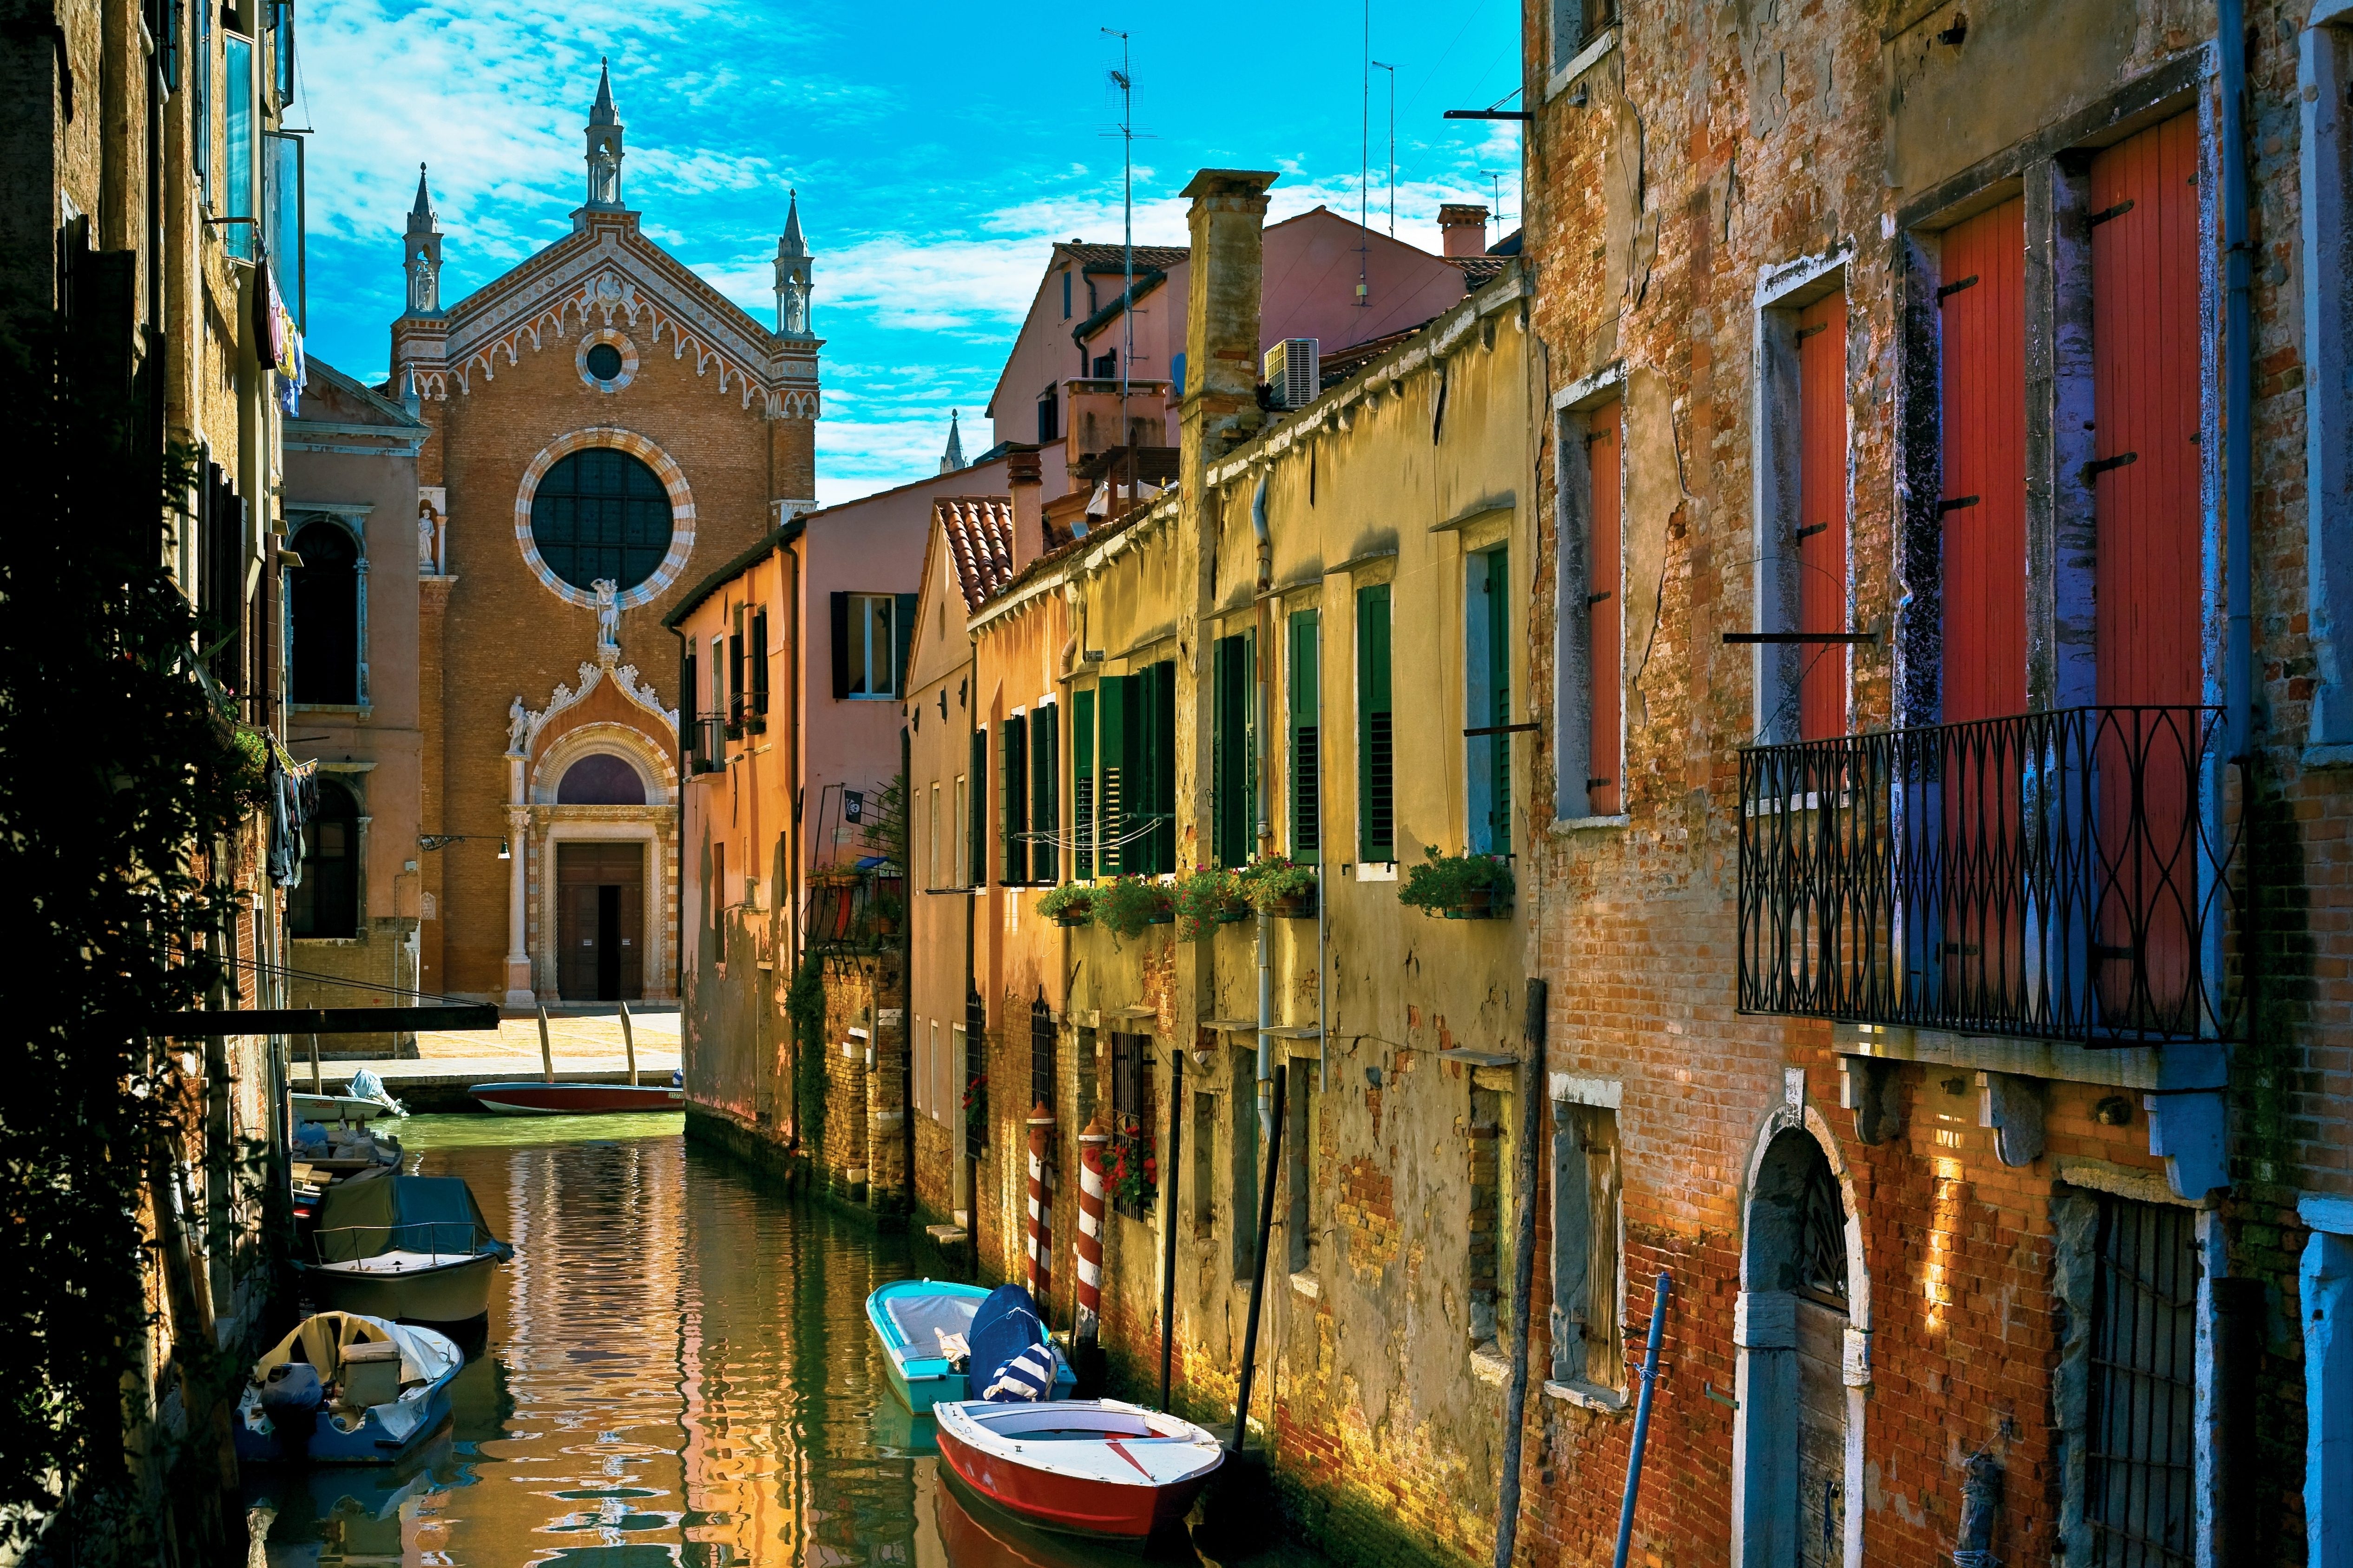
(2238, 438)
(1265, 924)
(1523, 1268)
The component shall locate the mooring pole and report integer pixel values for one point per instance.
(1086, 1252)
(1641, 1421)
(546, 1052)
(1169, 1169)
(628, 1045)
(317, 1086)
(1258, 1274)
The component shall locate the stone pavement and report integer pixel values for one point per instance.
(587, 1046)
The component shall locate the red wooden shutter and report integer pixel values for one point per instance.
(1605, 615)
(2145, 347)
(1983, 506)
(1821, 514)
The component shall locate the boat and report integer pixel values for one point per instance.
(924, 1327)
(364, 1100)
(534, 1098)
(345, 1388)
(413, 1249)
(1097, 1467)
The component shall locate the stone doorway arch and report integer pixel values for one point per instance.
(1802, 1336)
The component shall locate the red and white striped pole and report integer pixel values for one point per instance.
(1041, 1223)
(1088, 1248)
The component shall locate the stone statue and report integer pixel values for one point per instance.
(796, 306)
(604, 177)
(518, 727)
(427, 558)
(608, 615)
(422, 285)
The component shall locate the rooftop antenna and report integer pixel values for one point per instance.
(1364, 174)
(1125, 80)
(1496, 184)
(1392, 70)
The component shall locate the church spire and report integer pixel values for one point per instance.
(953, 458)
(420, 253)
(793, 276)
(604, 133)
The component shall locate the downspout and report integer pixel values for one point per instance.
(1523, 1268)
(1265, 923)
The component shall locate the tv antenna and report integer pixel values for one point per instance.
(1365, 172)
(1124, 78)
(1392, 70)
(1496, 184)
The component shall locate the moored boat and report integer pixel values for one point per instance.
(1098, 1467)
(924, 1327)
(415, 1248)
(533, 1097)
(345, 1388)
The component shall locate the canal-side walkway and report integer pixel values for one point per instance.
(586, 1043)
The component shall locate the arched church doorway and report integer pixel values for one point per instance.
(1797, 1483)
(600, 920)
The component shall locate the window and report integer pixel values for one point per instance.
(1132, 1125)
(1487, 1293)
(1202, 1151)
(1082, 785)
(739, 697)
(975, 1074)
(1591, 615)
(1586, 1347)
(1049, 414)
(1042, 1038)
(1577, 23)
(932, 840)
(1375, 779)
(870, 643)
(1487, 699)
(967, 1069)
(2326, 197)
(1136, 772)
(1306, 755)
(719, 662)
(236, 145)
(976, 815)
(1013, 801)
(962, 830)
(325, 652)
(281, 35)
(1981, 306)
(604, 361)
(1821, 515)
(1045, 795)
(756, 717)
(326, 902)
(2140, 1460)
(1066, 293)
(1106, 366)
(718, 889)
(601, 779)
(600, 514)
(281, 192)
(1299, 1134)
(1232, 779)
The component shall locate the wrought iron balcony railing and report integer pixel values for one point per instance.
(708, 738)
(2061, 876)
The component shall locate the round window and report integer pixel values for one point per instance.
(601, 513)
(604, 361)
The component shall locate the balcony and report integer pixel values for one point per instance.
(2065, 876)
(707, 737)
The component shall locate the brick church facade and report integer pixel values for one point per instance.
(605, 429)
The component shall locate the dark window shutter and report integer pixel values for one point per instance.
(1306, 761)
(977, 803)
(1229, 776)
(758, 654)
(1158, 733)
(1045, 808)
(735, 682)
(840, 646)
(902, 641)
(1110, 762)
(1375, 789)
(1082, 785)
(1013, 781)
(686, 694)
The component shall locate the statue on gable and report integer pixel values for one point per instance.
(429, 559)
(518, 728)
(608, 616)
(796, 307)
(603, 178)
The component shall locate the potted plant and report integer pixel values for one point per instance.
(888, 913)
(1132, 1168)
(1460, 886)
(1070, 905)
(1125, 905)
(1208, 898)
(1281, 886)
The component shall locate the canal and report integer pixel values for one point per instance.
(677, 1371)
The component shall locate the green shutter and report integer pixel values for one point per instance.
(976, 806)
(1163, 764)
(1499, 693)
(1376, 777)
(1045, 807)
(1082, 783)
(1013, 778)
(1307, 759)
(1110, 762)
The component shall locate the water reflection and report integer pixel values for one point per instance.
(678, 1372)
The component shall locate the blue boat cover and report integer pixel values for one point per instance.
(1012, 1362)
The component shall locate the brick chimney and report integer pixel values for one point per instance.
(1023, 476)
(1462, 227)
(1227, 223)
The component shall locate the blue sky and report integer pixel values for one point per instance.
(938, 152)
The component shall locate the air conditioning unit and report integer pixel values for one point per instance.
(1291, 372)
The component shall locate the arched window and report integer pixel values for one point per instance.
(324, 656)
(326, 902)
(601, 513)
(601, 779)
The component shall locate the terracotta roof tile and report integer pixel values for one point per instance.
(979, 531)
(1149, 258)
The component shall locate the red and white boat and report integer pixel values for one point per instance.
(533, 1098)
(1086, 1467)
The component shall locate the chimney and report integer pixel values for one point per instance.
(1024, 477)
(1228, 223)
(1462, 227)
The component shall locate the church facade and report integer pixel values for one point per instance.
(604, 428)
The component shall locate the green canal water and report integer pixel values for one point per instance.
(678, 1371)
